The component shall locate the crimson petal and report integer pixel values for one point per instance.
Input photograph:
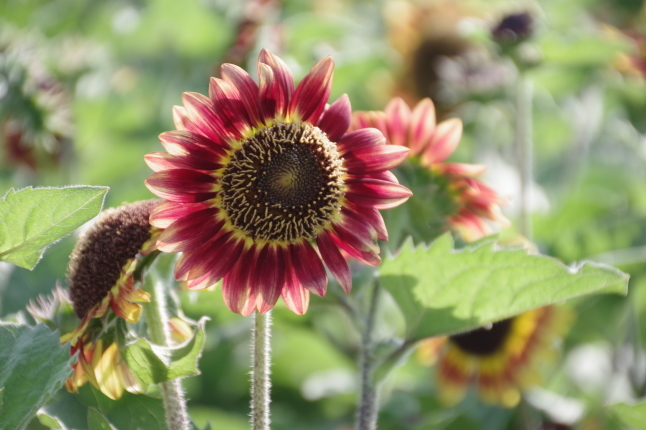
(215, 257)
(236, 289)
(372, 216)
(248, 89)
(335, 121)
(166, 213)
(190, 231)
(365, 256)
(310, 97)
(268, 277)
(181, 185)
(377, 193)
(229, 107)
(294, 295)
(159, 161)
(334, 261)
(375, 159)
(398, 117)
(309, 268)
(278, 86)
(359, 139)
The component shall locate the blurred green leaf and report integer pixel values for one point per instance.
(33, 366)
(442, 291)
(154, 364)
(632, 415)
(97, 421)
(32, 219)
(584, 51)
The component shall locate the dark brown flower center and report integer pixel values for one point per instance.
(284, 183)
(485, 340)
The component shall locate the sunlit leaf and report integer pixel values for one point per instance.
(443, 291)
(153, 364)
(632, 415)
(33, 366)
(31, 219)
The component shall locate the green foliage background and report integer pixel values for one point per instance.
(121, 65)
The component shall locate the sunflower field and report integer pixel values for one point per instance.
(322, 215)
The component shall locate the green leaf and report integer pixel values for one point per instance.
(441, 291)
(97, 421)
(33, 366)
(632, 415)
(130, 412)
(50, 421)
(32, 219)
(153, 364)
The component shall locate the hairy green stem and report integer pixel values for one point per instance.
(524, 95)
(172, 393)
(260, 371)
(368, 408)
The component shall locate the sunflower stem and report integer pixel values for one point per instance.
(367, 409)
(524, 95)
(260, 371)
(157, 320)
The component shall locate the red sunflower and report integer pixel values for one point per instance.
(257, 174)
(431, 144)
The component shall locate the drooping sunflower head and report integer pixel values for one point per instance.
(257, 174)
(102, 260)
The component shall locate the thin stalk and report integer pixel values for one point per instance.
(260, 371)
(172, 393)
(367, 409)
(524, 95)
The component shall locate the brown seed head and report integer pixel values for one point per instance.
(100, 254)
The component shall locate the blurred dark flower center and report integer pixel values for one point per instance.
(284, 183)
(485, 340)
(514, 27)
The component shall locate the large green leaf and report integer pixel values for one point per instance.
(632, 415)
(33, 366)
(32, 219)
(443, 291)
(153, 364)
